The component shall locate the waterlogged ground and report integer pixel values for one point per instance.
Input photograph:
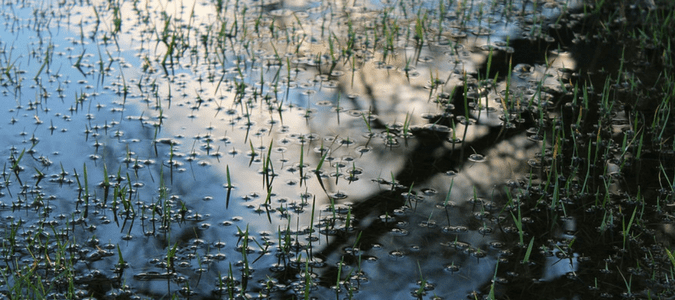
(368, 150)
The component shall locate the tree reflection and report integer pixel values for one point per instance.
(590, 230)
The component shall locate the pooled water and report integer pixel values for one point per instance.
(269, 149)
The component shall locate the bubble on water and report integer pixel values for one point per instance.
(386, 218)
(477, 158)
(478, 253)
(455, 229)
(429, 191)
(437, 128)
(451, 173)
(451, 268)
(338, 195)
(355, 171)
(532, 130)
(345, 141)
(534, 163)
(400, 232)
(459, 245)
(391, 142)
(331, 84)
(485, 230)
(356, 113)
(369, 135)
(370, 116)
(396, 254)
(497, 244)
(428, 116)
(427, 224)
(308, 92)
(481, 215)
(464, 121)
(363, 149)
(535, 137)
(457, 34)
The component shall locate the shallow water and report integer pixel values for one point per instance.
(278, 150)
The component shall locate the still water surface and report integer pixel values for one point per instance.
(269, 149)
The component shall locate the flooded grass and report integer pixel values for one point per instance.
(332, 150)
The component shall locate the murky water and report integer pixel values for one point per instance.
(236, 149)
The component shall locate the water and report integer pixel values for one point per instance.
(278, 150)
